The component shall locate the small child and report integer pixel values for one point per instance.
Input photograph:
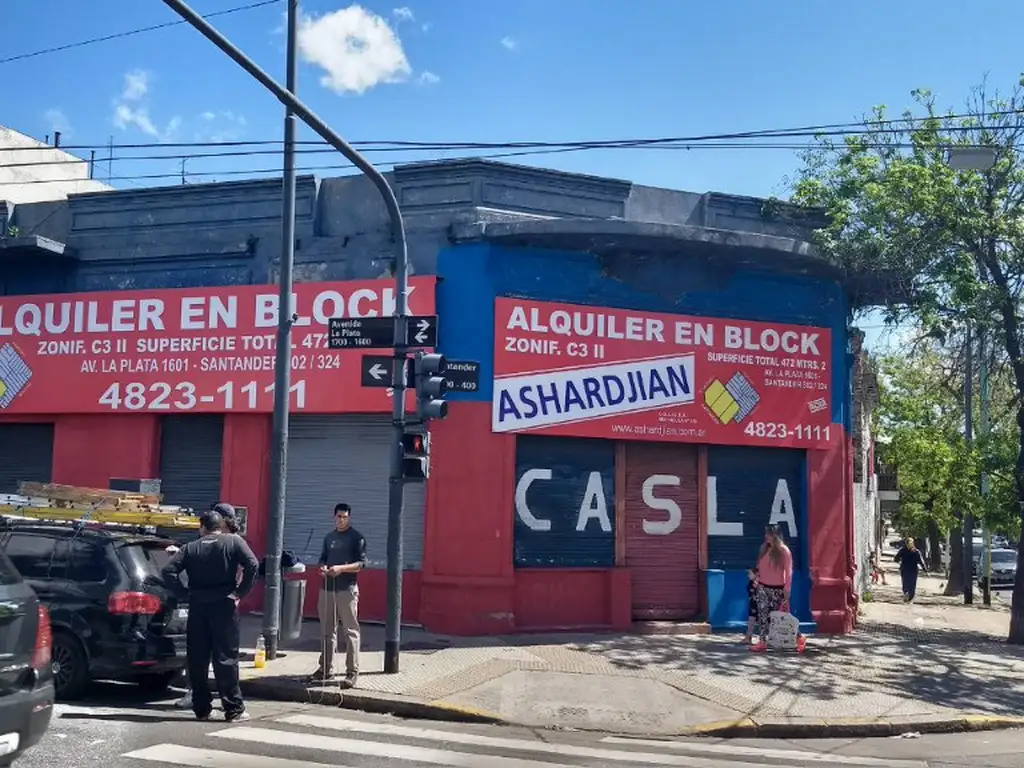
(752, 584)
(876, 570)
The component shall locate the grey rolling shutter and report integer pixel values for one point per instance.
(191, 448)
(345, 458)
(26, 454)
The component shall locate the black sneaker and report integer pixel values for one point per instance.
(241, 717)
(320, 676)
(350, 681)
(203, 718)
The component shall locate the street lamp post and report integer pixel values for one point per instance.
(981, 159)
(396, 487)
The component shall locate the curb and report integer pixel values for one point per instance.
(746, 728)
(849, 727)
(362, 701)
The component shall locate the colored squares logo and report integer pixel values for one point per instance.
(14, 375)
(733, 401)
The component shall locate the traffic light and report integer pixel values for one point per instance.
(415, 456)
(430, 386)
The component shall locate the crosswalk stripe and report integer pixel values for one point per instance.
(177, 754)
(781, 754)
(444, 757)
(592, 753)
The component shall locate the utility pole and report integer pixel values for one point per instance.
(968, 532)
(401, 267)
(282, 361)
(983, 430)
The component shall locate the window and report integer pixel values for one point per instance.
(1004, 558)
(31, 554)
(8, 574)
(88, 563)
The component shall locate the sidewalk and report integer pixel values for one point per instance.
(928, 667)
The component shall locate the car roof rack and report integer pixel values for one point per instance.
(94, 508)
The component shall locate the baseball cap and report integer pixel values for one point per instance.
(224, 509)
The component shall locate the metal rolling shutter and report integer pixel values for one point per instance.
(743, 485)
(191, 448)
(582, 476)
(345, 458)
(663, 557)
(26, 453)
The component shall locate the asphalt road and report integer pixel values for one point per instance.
(117, 728)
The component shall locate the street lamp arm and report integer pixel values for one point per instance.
(306, 115)
(396, 486)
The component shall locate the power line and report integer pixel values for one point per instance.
(131, 33)
(307, 169)
(545, 150)
(318, 148)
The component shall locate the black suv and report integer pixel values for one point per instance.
(26, 682)
(112, 616)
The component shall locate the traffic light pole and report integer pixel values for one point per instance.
(396, 482)
(401, 256)
(283, 360)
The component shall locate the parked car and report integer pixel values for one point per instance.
(26, 678)
(112, 616)
(1004, 567)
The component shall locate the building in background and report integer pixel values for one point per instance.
(33, 171)
(663, 373)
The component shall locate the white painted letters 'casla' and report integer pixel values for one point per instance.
(675, 514)
(593, 507)
(782, 511)
(595, 503)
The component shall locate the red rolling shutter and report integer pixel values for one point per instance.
(662, 546)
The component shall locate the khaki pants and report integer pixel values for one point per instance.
(334, 608)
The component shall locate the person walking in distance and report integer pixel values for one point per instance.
(342, 557)
(221, 570)
(911, 562)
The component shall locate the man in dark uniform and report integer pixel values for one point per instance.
(212, 564)
(342, 557)
(229, 517)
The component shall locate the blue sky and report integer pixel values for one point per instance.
(467, 70)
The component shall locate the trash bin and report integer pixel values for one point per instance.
(293, 600)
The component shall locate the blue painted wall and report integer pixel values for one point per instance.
(564, 503)
(475, 274)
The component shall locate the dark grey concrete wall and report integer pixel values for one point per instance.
(229, 233)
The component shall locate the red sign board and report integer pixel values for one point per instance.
(188, 350)
(565, 369)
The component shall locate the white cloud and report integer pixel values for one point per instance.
(356, 49)
(56, 120)
(429, 78)
(131, 111)
(403, 14)
(224, 125)
(427, 26)
(509, 43)
(125, 116)
(136, 85)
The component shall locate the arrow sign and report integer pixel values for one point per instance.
(422, 331)
(375, 371)
(379, 332)
(463, 375)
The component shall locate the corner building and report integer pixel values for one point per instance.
(661, 375)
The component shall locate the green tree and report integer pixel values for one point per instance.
(948, 243)
(920, 422)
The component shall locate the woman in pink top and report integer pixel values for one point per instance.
(775, 576)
